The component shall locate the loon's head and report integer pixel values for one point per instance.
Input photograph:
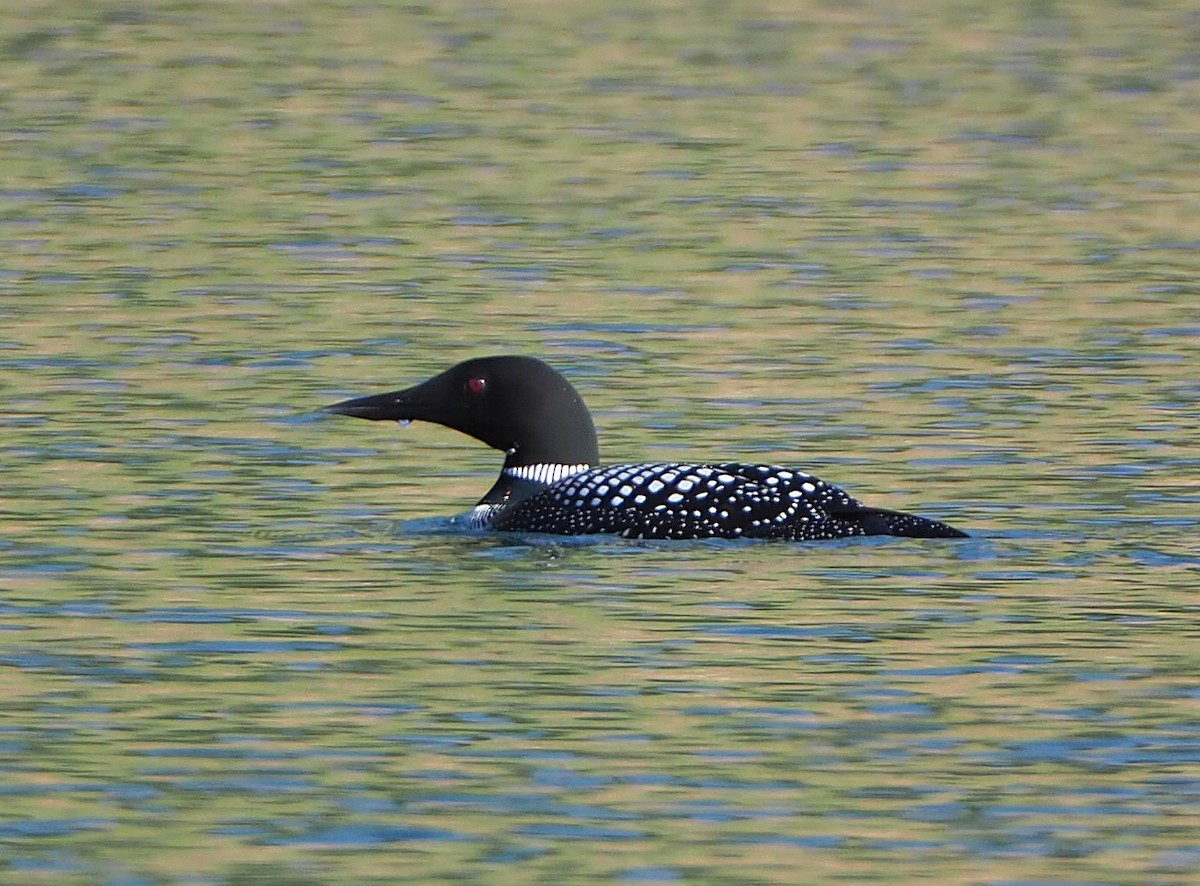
(515, 404)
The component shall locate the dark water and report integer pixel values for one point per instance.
(943, 255)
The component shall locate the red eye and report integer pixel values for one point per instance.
(476, 385)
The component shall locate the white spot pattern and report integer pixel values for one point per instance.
(664, 500)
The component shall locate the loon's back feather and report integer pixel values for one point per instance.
(681, 501)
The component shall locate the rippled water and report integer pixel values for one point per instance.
(941, 254)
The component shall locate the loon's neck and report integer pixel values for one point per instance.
(518, 482)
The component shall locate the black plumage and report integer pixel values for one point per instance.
(551, 480)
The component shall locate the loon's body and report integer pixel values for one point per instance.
(552, 482)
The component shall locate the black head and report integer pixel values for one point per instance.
(515, 404)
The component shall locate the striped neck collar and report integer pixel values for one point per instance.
(545, 474)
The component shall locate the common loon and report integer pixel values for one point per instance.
(552, 482)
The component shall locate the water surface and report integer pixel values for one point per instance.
(944, 255)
